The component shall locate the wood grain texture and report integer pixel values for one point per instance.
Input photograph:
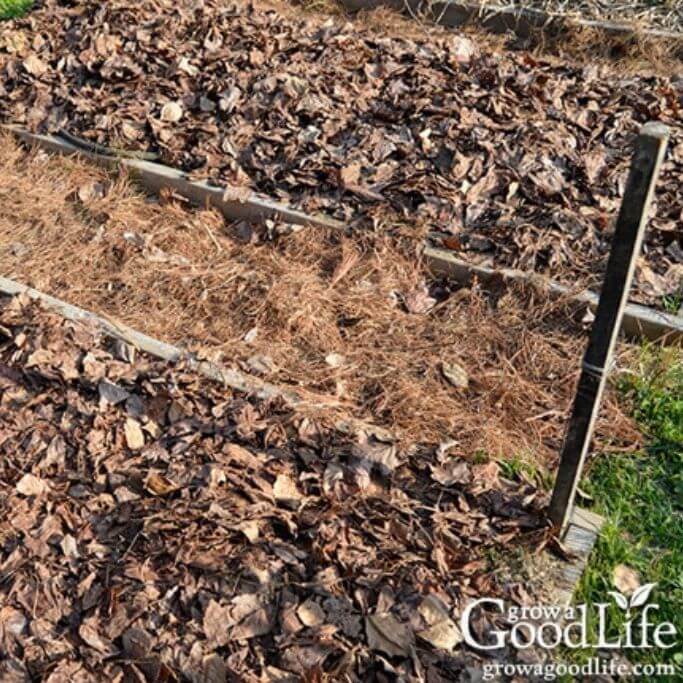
(639, 322)
(231, 202)
(579, 540)
(523, 22)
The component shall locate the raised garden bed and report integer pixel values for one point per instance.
(160, 527)
(516, 162)
(232, 643)
(360, 324)
(640, 322)
(203, 531)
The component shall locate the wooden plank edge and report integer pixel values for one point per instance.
(579, 540)
(155, 177)
(522, 21)
(638, 322)
(230, 377)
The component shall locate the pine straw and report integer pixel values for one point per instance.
(636, 53)
(307, 294)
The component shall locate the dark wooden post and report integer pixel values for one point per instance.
(626, 245)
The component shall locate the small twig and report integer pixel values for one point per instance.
(213, 238)
(130, 547)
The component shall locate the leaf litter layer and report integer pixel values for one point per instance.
(512, 159)
(356, 320)
(158, 527)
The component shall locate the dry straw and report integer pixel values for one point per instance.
(310, 309)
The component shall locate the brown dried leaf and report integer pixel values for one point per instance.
(159, 485)
(379, 454)
(451, 472)
(34, 65)
(441, 631)
(419, 301)
(30, 485)
(251, 530)
(350, 175)
(253, 617)
(135, 439)
(455, 374)
(89, 632)
(171, 112)
(91, 191)
(310, 613)
(111, 392)
(216, 624)
(386, 634)
(285, 491)
(625, 579)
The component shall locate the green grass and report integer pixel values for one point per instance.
(10, 9)
(672, 303)
(641, 497)
(522, 466)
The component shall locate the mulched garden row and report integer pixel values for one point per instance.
(156, 526)
(513, 159)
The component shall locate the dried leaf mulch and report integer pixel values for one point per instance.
(512, 159)
(157, 527)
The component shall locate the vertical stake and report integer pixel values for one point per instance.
(626, 244)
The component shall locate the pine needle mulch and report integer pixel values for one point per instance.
(490, 371)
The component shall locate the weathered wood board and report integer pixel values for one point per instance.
(521, 21)
(234, 203)
(553, 580)
(638, 321)
(579, 540)
(239, 381)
